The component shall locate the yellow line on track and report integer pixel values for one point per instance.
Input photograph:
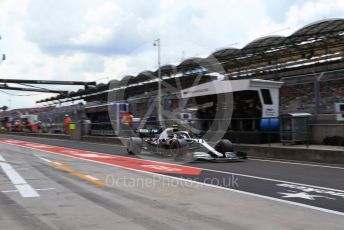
(75, 173)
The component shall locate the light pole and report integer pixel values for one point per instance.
(161, 123)
(3, 56)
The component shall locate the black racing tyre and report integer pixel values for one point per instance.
(327, 140)
(134, 145)
(223, 146)
(178, 148)
(188, 156)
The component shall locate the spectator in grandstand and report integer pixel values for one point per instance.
(18, 125)
(8, 125)
(67, 122)
(30, 126)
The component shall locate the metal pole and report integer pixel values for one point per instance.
(3, 56)
(317, 93)
(161, 123)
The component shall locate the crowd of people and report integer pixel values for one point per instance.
(302, 97)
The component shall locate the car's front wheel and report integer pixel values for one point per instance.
(224, 146)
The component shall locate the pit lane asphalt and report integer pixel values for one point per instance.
(69, 202)
(253, 176)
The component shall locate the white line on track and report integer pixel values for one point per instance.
(269, 179)
(92, 177)
(18, 181)
(298, 163)
(37, 189)
(58, 163)
(44, 159)
(210, 185)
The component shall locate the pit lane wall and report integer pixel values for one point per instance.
(320, 131)
(312, 153)
(309, 153)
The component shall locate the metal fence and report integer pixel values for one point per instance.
(313, 93)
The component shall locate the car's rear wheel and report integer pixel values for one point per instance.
(178, 148)
(188, 156)
(134, 145)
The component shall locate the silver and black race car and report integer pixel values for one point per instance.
(181, 145)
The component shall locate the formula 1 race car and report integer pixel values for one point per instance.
(180, 145)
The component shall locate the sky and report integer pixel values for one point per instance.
(100, 40)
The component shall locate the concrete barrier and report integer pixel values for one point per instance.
(313, 153)
(320, 131)
(96, 139)
(44, 135)
(102, 139)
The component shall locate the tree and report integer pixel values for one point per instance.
(4, 108)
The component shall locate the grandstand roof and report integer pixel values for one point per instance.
(320, 27)
(166, 70)
(265, 42)
(318, 44)
(225, 52)
(144, 76)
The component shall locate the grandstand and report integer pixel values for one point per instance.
(299, 93)
(313, 51)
